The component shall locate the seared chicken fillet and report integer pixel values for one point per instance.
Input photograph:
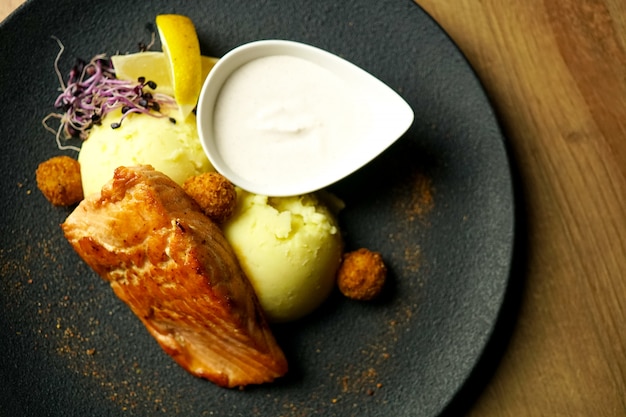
(173, 267)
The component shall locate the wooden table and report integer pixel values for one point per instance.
(556, 73)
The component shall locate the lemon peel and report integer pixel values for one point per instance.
(154, 67)
(181, 47)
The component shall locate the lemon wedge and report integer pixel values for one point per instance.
(181, 47)
(154, 67)
(151, 65)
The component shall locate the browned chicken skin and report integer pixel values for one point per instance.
(173, 267)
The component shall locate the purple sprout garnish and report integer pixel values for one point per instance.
(92, 91)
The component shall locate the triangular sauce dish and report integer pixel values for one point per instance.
(282, 118)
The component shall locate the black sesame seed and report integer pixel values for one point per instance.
(172, 120)
(152, 84)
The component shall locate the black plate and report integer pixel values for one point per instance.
(438, 205)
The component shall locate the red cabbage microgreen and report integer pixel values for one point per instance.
(92, 91)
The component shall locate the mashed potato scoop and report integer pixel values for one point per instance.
(171, 148)
(289, 247)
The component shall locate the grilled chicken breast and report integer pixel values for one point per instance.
(173, 267)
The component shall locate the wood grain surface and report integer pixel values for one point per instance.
(556, 74)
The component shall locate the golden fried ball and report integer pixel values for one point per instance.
(59, 180)
(214, 194)
(362, 274)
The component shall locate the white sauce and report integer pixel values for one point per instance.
(283, 116)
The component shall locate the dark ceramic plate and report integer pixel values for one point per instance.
(438, 205)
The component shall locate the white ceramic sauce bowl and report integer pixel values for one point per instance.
(373, 117)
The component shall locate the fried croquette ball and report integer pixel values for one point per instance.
(59, 180)
(214, 194)
(362, 274)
